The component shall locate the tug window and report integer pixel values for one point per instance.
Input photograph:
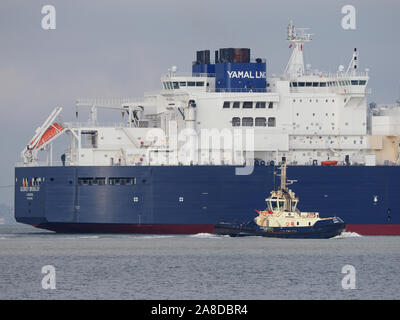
(281, 205)
(274, 205)
(236, 122)
(247, 122)
(226, 105)
(260, 105)
(261, 122)
(236, 104)
(271, 122)
(247, 105)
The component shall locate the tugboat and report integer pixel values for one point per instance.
(282, 218)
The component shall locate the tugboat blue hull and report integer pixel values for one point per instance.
(323, 229)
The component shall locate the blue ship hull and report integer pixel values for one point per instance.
(190, 199)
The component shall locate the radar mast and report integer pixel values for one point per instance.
(297, 37)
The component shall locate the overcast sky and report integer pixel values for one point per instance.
(120, 49)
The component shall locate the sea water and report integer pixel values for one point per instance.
(202, 266)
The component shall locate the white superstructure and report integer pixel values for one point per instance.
(305, 115)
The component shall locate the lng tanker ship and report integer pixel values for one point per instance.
(206, 147)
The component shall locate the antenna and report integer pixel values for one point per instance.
(291, 31)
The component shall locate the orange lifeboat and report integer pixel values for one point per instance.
(329, 163)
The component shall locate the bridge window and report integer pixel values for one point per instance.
(261, 122)
(362, 82)
(322, 84)
(226, 105)
(236, 104)
(176, 85)
(301, 84)
(354, 82)
(315, 84)
(260, 105)
(270, 105)
(182, 84)
(200, 84)
(236, 122)
(308, 84)
(271, 122)
(191, 83)
(294, 84)
(247, 105)
(247, 122)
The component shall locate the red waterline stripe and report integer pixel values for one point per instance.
(375, 229)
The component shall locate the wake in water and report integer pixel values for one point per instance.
(206, 236)
(344, 235)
